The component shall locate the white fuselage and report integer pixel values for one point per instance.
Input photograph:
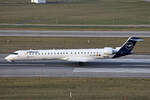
(82, 55)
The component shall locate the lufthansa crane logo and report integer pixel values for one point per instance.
(129, 45)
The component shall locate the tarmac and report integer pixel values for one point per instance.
(74, 33)
(129, 66)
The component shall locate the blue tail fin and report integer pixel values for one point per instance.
(127, 47)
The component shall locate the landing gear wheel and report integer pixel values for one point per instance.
(80, 63)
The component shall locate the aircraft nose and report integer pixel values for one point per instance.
(9, 58)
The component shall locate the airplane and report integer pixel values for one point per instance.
(76, 55)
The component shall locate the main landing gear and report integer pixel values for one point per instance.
(81, 63)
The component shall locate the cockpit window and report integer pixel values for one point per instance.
(14, 53)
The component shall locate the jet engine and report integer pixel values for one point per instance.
(108, 51)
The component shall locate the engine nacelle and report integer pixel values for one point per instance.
(108, 51)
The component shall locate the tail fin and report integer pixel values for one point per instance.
(127, 47)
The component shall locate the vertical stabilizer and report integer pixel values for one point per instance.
(127, 47)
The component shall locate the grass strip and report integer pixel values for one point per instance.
(100, 12)
(70, 28)
(9, 44)
(80, 88)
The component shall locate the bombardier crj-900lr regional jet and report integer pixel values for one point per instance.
(75, 55)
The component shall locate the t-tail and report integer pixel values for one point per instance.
(127, 47)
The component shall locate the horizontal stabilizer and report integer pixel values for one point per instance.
(137, 39)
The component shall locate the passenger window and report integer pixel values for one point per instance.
(14, 53)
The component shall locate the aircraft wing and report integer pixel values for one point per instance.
(78, 59)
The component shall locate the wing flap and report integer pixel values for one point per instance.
(78, 59)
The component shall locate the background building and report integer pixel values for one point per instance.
(38, 1)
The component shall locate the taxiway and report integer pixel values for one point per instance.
(74, 33)
(129, 66)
